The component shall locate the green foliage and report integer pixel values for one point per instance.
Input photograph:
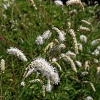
(20, 27)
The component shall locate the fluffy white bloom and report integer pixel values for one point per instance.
(98, 70)
(83, 38)
(54, 59)
(39, 40)
(22, 83)
(84, 73)
(72, 2)
(96, 52)
(5, 6)
(96, 60)
(41, 65)
(78, 63)
(75, 2)
(98, 48)
(17, 52)
(71, 54)
(58, 2)
(7, 3)
(61, 37)
(86, 65)
(95, 42)
(61, 34)
(46, 34)
(88, 98)
(80, 47)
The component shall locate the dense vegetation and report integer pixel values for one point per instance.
(20, 25)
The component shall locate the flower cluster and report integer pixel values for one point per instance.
(41, 38)
(17, 52)
(2, 65)
(84, 29)
(75, 2)
(72, 33)
(7, 3)
(41, 65)
(61, 35)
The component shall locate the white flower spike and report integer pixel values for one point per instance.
(18, 53)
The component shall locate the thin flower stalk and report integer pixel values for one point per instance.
(72, 33)
(48, 86)
(36, 81)
(2, 65)
(51, 45)
(33, 4)
(68, 59)
(41, 82)
(58, 65)
(91, 84)
(29, 72)
(86, 22)
(61, 36)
